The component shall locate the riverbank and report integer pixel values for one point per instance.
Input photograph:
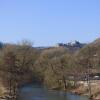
(2, 91)
(83, 90)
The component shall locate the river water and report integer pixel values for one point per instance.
(36, 92)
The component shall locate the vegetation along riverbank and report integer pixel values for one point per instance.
(73, 67)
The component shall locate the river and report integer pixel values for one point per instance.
(36, 92)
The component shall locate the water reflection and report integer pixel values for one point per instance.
(40, 93)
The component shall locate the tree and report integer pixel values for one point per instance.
(18, 61)
(11, 74)
(26, 56)
(87, 59)
(53, 66)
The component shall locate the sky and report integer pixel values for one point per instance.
(47, 22)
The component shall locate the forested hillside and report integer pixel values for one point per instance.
(53, 67)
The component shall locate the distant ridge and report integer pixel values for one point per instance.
(96, 42)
